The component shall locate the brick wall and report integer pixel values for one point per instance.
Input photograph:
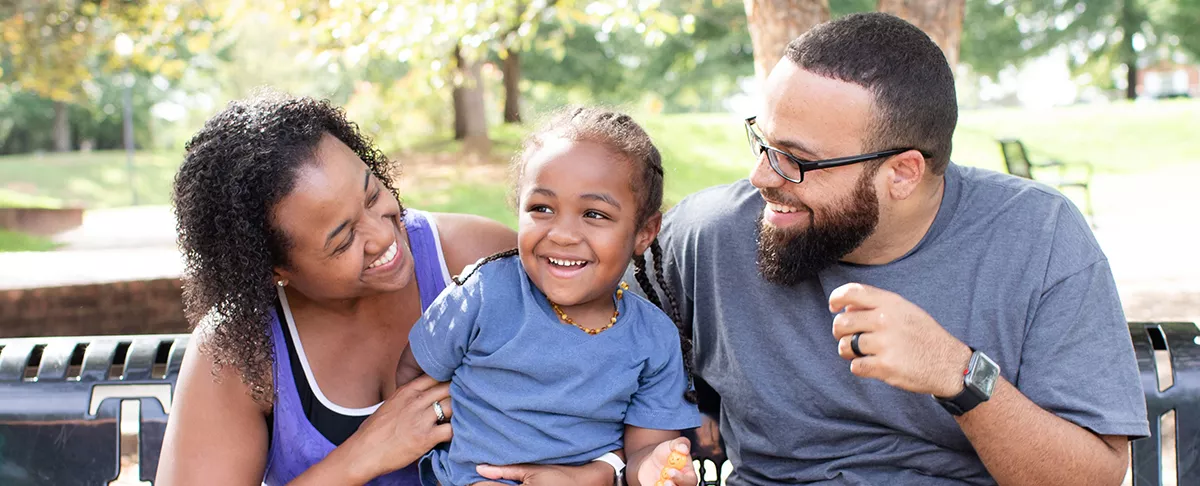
(142, 307)
(40, 221)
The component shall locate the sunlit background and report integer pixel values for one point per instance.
(97, 98)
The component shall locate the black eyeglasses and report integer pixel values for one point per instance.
(795, 167)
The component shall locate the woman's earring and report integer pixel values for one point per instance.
(281, 283)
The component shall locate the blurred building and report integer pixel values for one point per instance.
(1167, 79)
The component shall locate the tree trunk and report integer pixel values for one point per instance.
(942, 21)
(775, 23)
(1131, 76)
(1129, 26)
(62, 128)
(470, 120)
(512, 86)
(458, 96)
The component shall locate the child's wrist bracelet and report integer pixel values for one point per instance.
(612, 459)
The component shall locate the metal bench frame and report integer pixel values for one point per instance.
(62, 400)
(1018, 163)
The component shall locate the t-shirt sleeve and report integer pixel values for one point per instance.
(441, 337)
(658, 402)
(1078, 360)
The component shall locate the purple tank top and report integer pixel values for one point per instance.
(295, 444)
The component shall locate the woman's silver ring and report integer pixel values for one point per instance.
(441, 415)
(854, 345)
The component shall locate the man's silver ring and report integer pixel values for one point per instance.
(854, 345)
(441, 415)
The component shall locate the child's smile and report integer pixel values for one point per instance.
(564, 267)
(578, 226)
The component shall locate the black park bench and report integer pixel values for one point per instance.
(63, 401)
(1076, 175)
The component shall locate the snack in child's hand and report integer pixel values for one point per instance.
(675, 461)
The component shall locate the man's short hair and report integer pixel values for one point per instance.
(912, 84)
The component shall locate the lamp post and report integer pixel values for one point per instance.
(124, 48)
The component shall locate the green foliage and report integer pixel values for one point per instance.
(1097, 33)
(991, 39)
(56, 47)
(690, 70)
(1184, 25)
(839, 8)
(365, 31)
(26, 118)
(66, 51)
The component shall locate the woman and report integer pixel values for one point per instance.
(304, 275)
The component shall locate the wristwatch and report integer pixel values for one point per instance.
(978, 382)
(618, 466)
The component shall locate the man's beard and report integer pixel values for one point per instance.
(789, 256)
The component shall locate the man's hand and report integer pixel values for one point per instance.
(707, 437)
(902, 345)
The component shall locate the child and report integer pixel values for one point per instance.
(550, 360)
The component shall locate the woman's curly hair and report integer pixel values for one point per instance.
(237, 168)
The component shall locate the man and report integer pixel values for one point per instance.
(870, 313)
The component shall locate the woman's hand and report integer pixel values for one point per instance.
(680, 472)
(402, 430)
(593, 473)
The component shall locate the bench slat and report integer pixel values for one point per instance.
(13, 359)
(98, 359)
(55, 360)
(175, 359)
(1146, 452)
(1184, 398)
(140, 361)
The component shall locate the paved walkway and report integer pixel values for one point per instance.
(112, 245)
(1150, 234)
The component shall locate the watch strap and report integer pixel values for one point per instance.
(967, 399)
(962, 403)
(612, 459)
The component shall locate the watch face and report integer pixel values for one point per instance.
(983, 375)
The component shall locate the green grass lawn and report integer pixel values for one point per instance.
(13, 241)
(699, 150)
(95, 179)
(1116, 138)
(13, 199)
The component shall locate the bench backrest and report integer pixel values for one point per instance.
(1175, 388)
(1015, 158)
(61, 402)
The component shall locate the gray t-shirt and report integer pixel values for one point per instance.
(1009, 267)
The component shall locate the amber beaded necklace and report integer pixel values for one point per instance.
(567, 319)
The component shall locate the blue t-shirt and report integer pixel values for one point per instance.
(529, 389)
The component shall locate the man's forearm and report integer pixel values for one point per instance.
(1022, 444)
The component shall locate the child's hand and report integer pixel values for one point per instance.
(669, 465)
